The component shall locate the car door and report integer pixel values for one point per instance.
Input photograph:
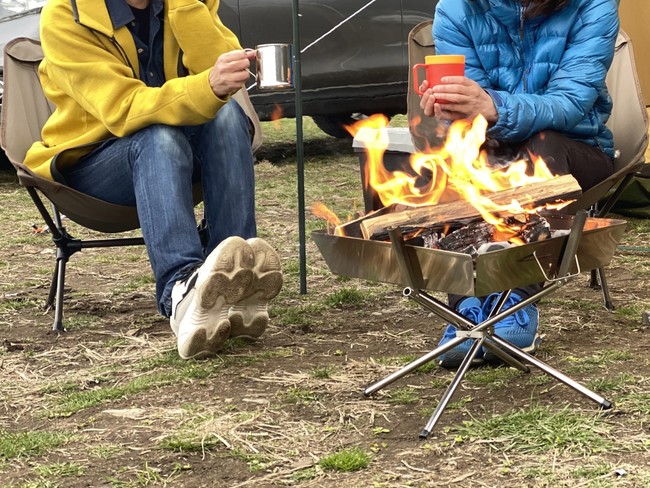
(363, 58)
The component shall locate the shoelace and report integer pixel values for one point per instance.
(520, 317)
(475, 314)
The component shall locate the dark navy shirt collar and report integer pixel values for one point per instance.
(121, 14)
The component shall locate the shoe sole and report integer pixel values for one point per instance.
(250, 318)
(248, 325)
(199, 345)
(226, 281)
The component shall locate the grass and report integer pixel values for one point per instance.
(322, 373)
(61, 470)
(539, 429)
(77, 401)
(288, 410)
(346, 460)
(300, 395)
(345, 297)
(403, 396)
(19, 445)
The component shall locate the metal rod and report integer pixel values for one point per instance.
(515, 351)
(604, 289)
(437, 307)
(450, 315)
(57, 324)
(116, 242)
(503, 298)
(411, 273)
(451, 389)
(413, 365)
(297, 77)
(568, 256)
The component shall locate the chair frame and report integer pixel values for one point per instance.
(66, 246)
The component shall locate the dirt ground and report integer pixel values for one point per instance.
(108, 403)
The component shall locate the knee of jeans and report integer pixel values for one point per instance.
(167, 140)
(231, 118)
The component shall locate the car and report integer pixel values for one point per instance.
(353, 53)
(360, 68)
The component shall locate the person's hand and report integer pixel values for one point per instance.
(465, 100)
(230, 72)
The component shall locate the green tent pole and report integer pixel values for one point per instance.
(299, 147)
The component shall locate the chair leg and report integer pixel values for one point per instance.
(604, 287)
(50, 297)
(599, 280)
(57, 325)
(593, 280)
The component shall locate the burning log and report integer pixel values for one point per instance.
(478, 235)
(535, 194)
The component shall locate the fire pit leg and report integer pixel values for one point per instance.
(443, 311)
(412, 366)
(603, 402)
(451, 389)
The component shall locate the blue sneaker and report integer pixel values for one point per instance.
(469, 307)
(519, 329)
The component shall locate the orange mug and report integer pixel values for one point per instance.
(437, 67)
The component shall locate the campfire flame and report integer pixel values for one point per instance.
(276, 115)
(321, 211)
(458, 169)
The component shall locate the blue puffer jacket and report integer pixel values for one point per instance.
(542, 73)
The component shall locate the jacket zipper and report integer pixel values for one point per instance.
(522, 18)
(124, 55)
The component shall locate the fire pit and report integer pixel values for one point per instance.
(454, 198)
(456, 273)
(589, 243)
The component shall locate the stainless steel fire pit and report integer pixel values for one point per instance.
(590, 243)
(455, 273)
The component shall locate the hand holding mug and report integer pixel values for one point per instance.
(437, 67)
(463, 99)
(230, 72)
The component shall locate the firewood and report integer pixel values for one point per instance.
(536, 194)
(468, 238)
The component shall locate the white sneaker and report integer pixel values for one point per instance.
(200, 303)
(250, 316)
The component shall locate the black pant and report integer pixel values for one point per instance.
(563, 155)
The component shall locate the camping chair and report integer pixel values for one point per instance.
(628, 122)
(24, 112)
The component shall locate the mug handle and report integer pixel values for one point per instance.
(416, 81)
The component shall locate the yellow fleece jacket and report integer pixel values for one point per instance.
(90, 73)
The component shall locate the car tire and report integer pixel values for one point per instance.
(334, 125)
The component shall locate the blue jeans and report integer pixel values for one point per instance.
(154, 170)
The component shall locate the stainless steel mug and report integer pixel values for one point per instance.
(274, 65)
